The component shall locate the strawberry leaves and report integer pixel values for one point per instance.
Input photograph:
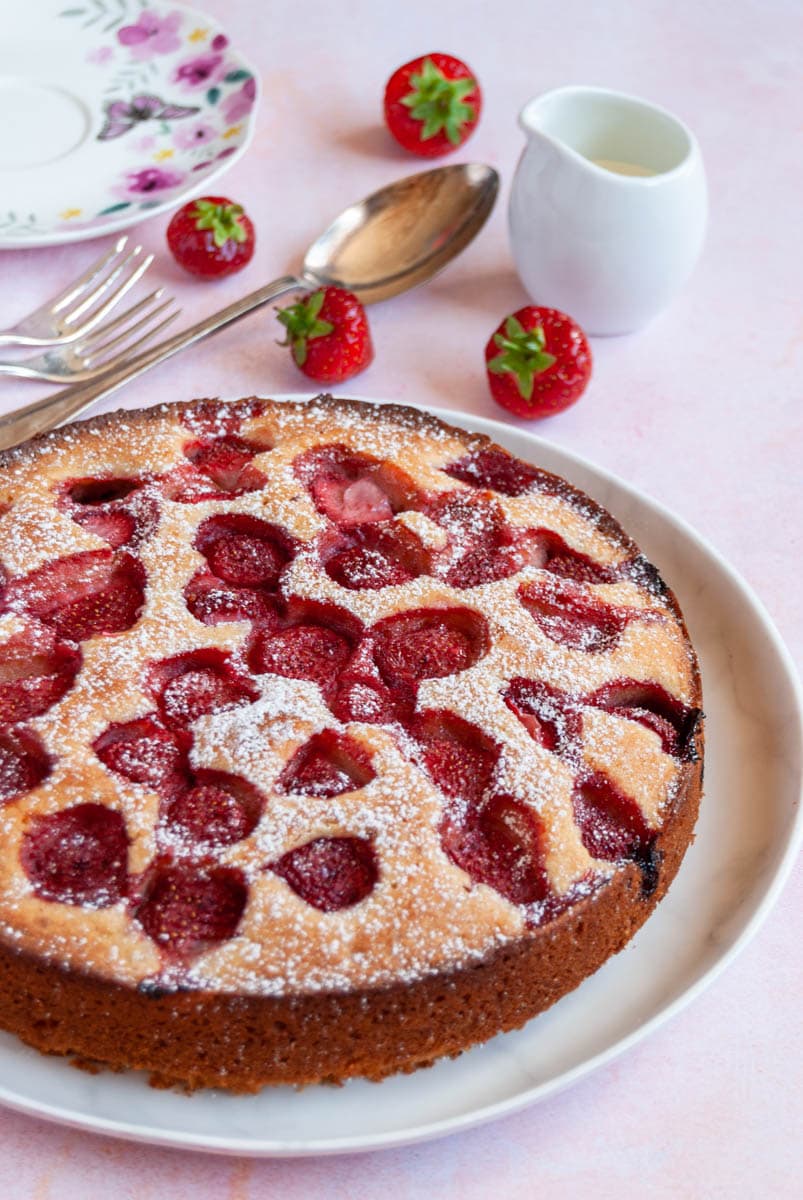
(302, 322)
(523, 354)
(439, 103)
(222, 219)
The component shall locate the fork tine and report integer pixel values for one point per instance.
(125, 355)
(106, 283)
(91, 342)
(91, 354)
(57, 303)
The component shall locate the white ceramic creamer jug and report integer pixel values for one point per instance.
(608, 206)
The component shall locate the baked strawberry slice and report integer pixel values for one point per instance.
(328, 334)
(145, 752)
(551, 717)
(217, 467)
(314, 641)
(243, 550)
(428, 643)
(363, 695)
(432, 104)
(576, 619)
(351, 488)
(498, 471)
(78, 855)
(538, 362)
(651, 705)
(24, 763)
(329, 764)
(351, 502)
(611, 824)
(36, 670)
(547, 550)
(82, 595)
(458, 757)
(330, 873)
(117, 527)
(344, 485)
(215, 809)
(499, 842)
(227, 462)
(373, 556)
(211, 601)
(188, 907)
(306, 650)
(481, 547)
(113, 508)
(194, 684)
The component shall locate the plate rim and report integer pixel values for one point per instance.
(115, 224)
(432, 1130)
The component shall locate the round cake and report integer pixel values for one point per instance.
(333, 740)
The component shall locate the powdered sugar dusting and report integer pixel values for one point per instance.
(399, 932)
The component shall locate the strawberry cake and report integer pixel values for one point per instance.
(333, 740)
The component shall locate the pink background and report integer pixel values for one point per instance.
(702, 410)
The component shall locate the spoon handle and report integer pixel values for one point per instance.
(44, 414)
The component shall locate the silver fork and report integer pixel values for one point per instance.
(70, 315)
(91, 355)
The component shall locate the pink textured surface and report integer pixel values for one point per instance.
(701, 410)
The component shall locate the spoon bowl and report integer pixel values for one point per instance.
(389, 242)
(403, 234)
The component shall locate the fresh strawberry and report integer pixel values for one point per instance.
(211, 237)
(329, 335)
(538, 361)
(432, 105)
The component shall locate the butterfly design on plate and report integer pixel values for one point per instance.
(124, 115)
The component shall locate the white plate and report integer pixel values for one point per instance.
(725, 888)
(112, 111)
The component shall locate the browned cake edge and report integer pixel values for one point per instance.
(201, 1038)
(242, 1043)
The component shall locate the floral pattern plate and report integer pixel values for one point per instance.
(111, 111)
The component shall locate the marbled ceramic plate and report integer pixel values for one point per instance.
(112, 111)
(725, 888)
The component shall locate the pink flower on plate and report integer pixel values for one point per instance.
(151, 35)
(100, 55)
(150, 179)
(199, 71)
(197, 134)
(239, 103)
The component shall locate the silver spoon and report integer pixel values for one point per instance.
(393, 240)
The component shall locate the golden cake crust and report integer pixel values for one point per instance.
(298, 993)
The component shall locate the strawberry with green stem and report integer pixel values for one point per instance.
(538, 362)
(211, 237)
(432, 105)
(329, 335)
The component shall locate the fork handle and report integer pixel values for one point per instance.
(47, 413)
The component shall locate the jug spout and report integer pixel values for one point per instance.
(598, 126)
(531, 119)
